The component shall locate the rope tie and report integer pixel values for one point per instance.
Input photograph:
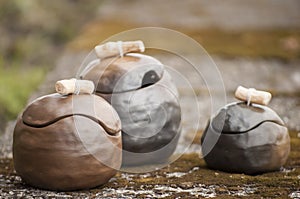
(249, 95)
(119, 43)
(77, 88)
(89, 67)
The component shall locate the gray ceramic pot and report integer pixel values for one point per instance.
(146, 99)
(253, 140)
(67, 142)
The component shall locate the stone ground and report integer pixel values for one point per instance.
(188, 176)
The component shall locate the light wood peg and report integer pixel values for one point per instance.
(74, 86)
(111, 49)
(251, 95)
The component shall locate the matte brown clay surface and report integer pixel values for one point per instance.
(63, 143)
(117, 74)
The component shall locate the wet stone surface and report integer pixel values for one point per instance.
(253, 14)
(188, 176)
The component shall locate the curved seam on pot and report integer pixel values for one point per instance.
(241, 132)
(130, 90)
(108, 130)
(262, 145)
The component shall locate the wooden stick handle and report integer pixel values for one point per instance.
(253, 96)
(111, 49)
(74, 86)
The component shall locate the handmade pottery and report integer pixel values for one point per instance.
(146, 99)
(251, 139)
(67, 142)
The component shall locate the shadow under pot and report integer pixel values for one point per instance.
(245, 139)
(67, 142)
(146, 99)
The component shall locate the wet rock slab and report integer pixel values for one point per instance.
(188, 177)
(203, 14)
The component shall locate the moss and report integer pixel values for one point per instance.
(29, 46)
(95, 32)
(197, 137)
(269, 185)
(16, 84)
(282, 44)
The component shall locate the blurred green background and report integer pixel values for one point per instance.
(253, 42)
(34, 33)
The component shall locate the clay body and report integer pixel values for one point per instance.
(146, 99)
(67, 142)
(252, 140)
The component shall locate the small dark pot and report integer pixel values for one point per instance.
(67, 142)
(146, 99)
(253, 140)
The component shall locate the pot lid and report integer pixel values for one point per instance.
(121, 74)
(51, 108)
(238, 117)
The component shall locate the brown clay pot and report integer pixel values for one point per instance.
(250, 139)
(67, 142)
(146, 99)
